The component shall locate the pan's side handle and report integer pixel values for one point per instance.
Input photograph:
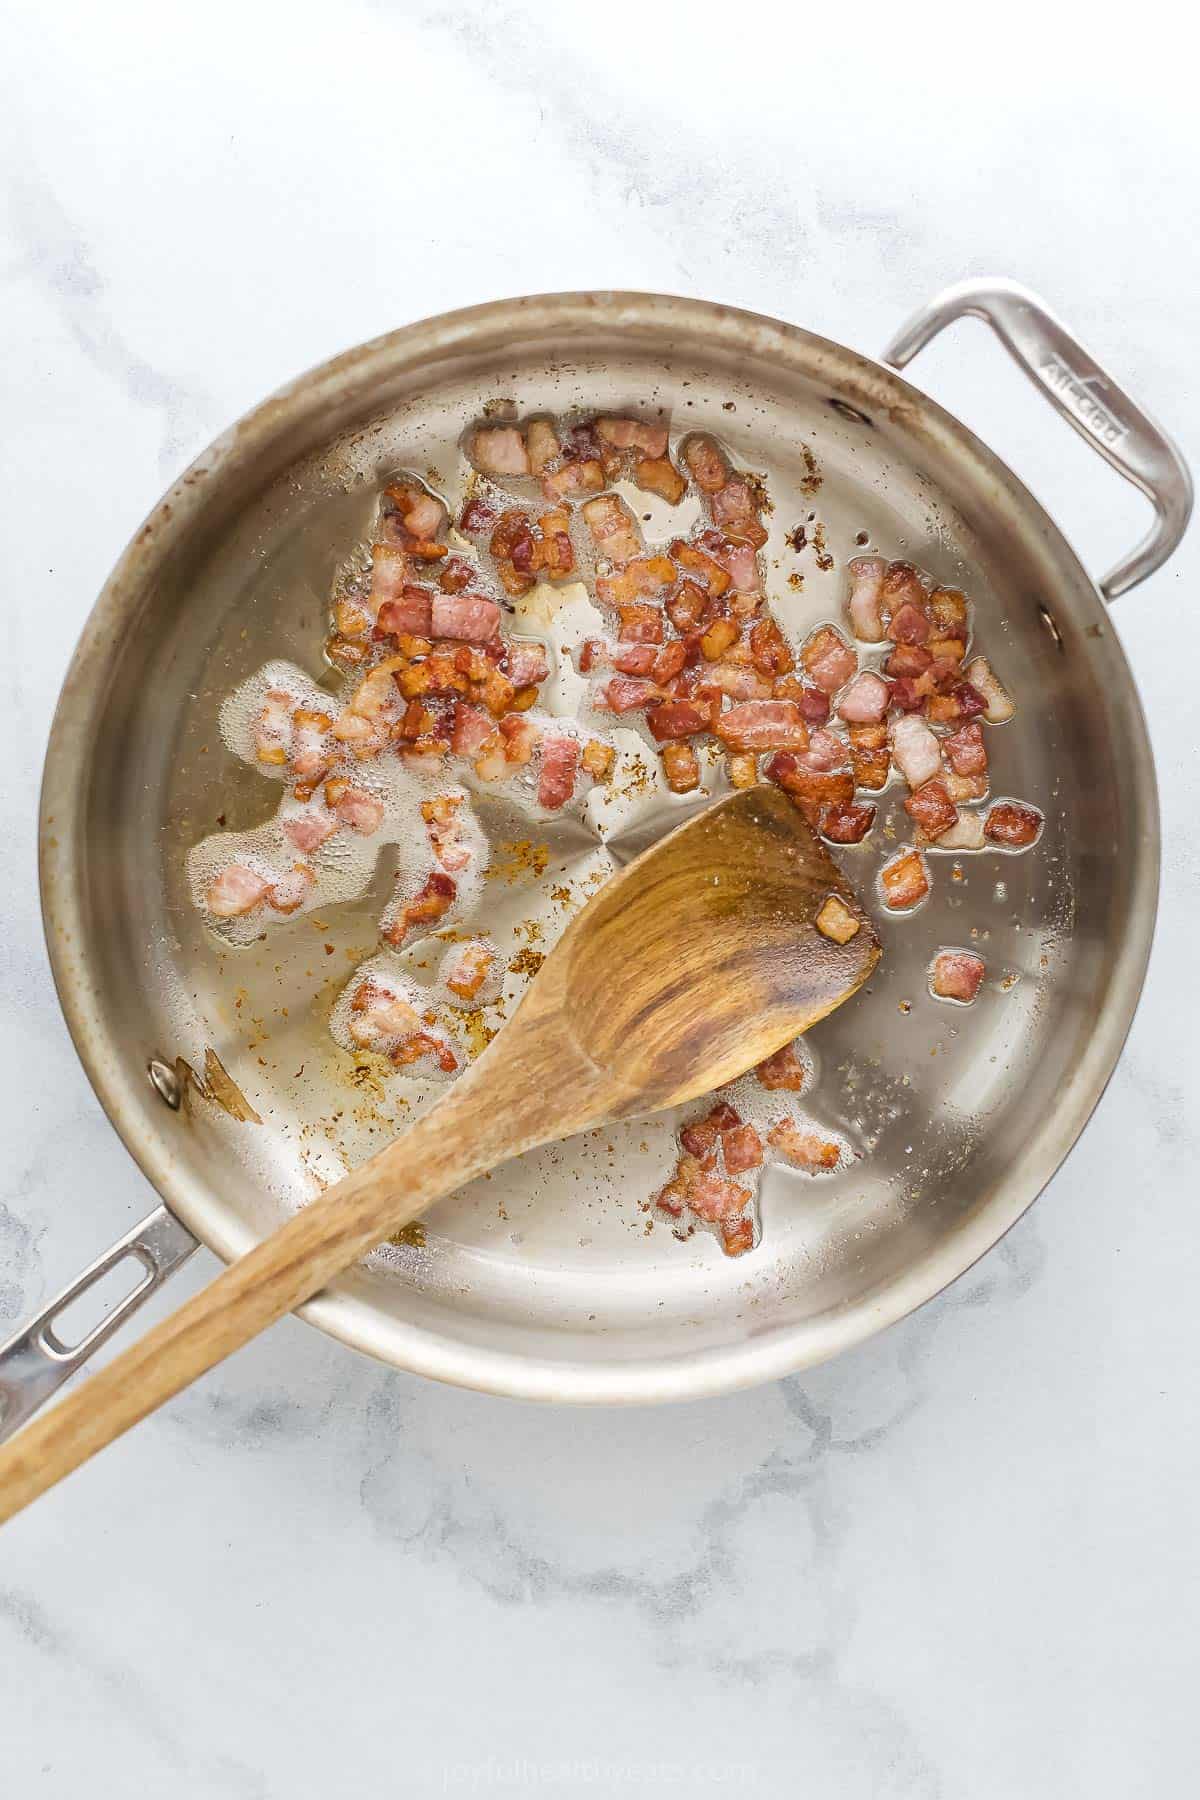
(35, 1362)
(1084, 393)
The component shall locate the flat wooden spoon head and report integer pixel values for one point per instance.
(700, 958)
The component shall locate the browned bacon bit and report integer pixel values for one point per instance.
(680, 767)
(702, 568)
(627, 693)
(359, 735)
(742, 1149)
(909, 624)
(828, 659)
(456, 575)
(354, 807)
(869, 755)
(437, 674)
(947, 608)
(717, 639)
(769, 649)
(676, 719)
(641, 624)
(803, 1149)
(715, 1200)
(669, 662)
(425, 908)
(908, 660)
(556, 780)
(965, 787)
(645, 575)
(699, 1136)
(956, 975)
(965, 750)
(477, 517)
(622, 435)
(686, 608)
(555, 558)
(810, 788)
(865, 701)
(1013, 825)
(287, 893)
(273, 728)
(784, 1071)
(470, 969)
(658, 475)
(634, 659)
(742, 769)
(864, 605)
(706, 463)
(904, 881)
(613, 528)
(236, 891)
(901, 586)
(932, 809)
(499, 450)
(515, 549)
(411, 612)
(847, 824)
(413, 518)
(465, 616)
(961, 701)
(738, 682)
(444, 827)
(763, 725)
(835, 920)
(527, 664)
(378, 1017)
(541, 445)
(520, 739)
(735, 512)
(579, 475)
(737, 1236)
(597, 759)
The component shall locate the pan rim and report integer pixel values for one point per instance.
(350, 1317)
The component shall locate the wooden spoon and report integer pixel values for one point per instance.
(692, 964)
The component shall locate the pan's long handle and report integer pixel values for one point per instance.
(36, 1362)
(1084, 393)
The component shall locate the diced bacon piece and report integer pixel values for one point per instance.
(909, 624)
(554, 555)
(961, 701)
(706, 463)
(738, 682)
(376, 698)
(613, 527)
(742, 769)
(491, 764)
(312, 755)
(866, 699)
(964, 787)
(783, 1071)
(717, 639)
(411, 612)
(355, 807)
(703, 569)
(527, 663)
(670, 661)
(556, 779)
(390, 571)
(680, 767)
(645, 575)
(273, 728)
(865, 603)
(466, 617)
(956, 975)
(813, 704)
(847, 824)
(236, 891)
(415, 518)
(825, 751)
(422, 1044)
(737, 1236)
(932, 809)
(471, 727)
(634, 659)
(828, 659)
(735, 512)
(658, 475)
(997, 704)
(443, 824)
(633, 434)
(763, 725)
(803, 1148)
(641, 624)
(947, 608)
(432, 903)
(596, 759)
(360, 736)
(870, 756)
(965, 750)
(947, 649)
(627, 693)
(770, 651)
(499, 450)
(468, 969)
(699, 1136)
(582, 475)
(306, 831)
(593, 653)
(902, 586)
(686, 608)
(288, 892)
(520, 737)
(908, 659)
(715, 1200)
(1010, 823)
(915, 750)
(742, 1149)
(378, 1017)
(541, 445)
(904, 881)
(477, 519)
(836, 921)
(818, 787)
(965, 834)
(676, 719)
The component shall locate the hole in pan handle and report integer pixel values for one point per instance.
(1084, 393)
(35, 1362)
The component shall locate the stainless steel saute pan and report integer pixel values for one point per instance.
(546, 1283)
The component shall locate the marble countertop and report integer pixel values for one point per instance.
(958, 1562)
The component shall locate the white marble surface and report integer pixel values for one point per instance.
(960, 1562)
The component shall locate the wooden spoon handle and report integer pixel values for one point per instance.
(439, 1153)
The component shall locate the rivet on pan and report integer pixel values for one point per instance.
(849, 412)
(1047, 618)
(165, 1082)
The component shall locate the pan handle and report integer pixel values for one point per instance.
(1084, 393)
(36, 1362)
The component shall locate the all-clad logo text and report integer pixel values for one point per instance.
(1077, 393)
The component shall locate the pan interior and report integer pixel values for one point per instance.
(554, 1263)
